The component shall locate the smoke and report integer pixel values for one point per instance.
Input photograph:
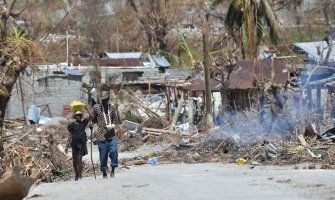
(248, 127)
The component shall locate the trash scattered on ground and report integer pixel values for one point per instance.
(38, 149)
(152, 160)
(329, 135)
(241, 161)
(299, 148)
(38, 152)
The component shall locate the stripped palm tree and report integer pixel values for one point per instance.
(248, 17)
(185, 56)
(16, 52)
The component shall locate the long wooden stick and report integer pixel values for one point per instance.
(95, 176)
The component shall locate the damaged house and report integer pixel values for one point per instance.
(317, 77)
(134, 70)
(245, 83)
(248, 79)
(128, 66)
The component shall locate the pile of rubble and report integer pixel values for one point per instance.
(240, 140)
(38, 151)
(243, 138)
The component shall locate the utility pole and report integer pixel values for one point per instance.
(22, 101)
(67, 47)
(208, 97)
(117, 38)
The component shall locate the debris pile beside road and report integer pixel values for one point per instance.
(37, 151)
(158, 123)
(241, 137)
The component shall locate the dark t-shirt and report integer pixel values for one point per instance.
(77, 131)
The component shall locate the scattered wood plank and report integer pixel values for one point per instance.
(302, 140)
(155, 133)
(145, 138)
(140, 104)
(20, 138)
(154, 130)
(158, 132)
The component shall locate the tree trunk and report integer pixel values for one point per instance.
(251, 51)
(208, 97)
(298, 12)
(4, 98)
(272, 19)
(3, 104)
(325, 11)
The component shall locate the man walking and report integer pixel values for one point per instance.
(104, 115)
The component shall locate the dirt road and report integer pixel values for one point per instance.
(197, 181)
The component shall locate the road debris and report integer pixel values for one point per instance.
(37, 150)
(241, 161)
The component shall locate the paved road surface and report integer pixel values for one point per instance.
(197, 181)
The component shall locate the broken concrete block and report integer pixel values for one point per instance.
(130, 125)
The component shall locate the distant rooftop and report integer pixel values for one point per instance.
(316, 51)
(126, 55)
(125, 59)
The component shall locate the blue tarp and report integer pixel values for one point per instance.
(34, 113)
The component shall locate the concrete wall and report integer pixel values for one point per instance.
(62, 90)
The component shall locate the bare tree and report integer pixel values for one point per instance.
(128, 34)
(157, 18)
(95, 27)
(296, 5)
(15, 52)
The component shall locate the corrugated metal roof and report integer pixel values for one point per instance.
(126, 62)
(133, 59)
(125, 55)
(247, 72)
(311, 48)
(245, 75)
